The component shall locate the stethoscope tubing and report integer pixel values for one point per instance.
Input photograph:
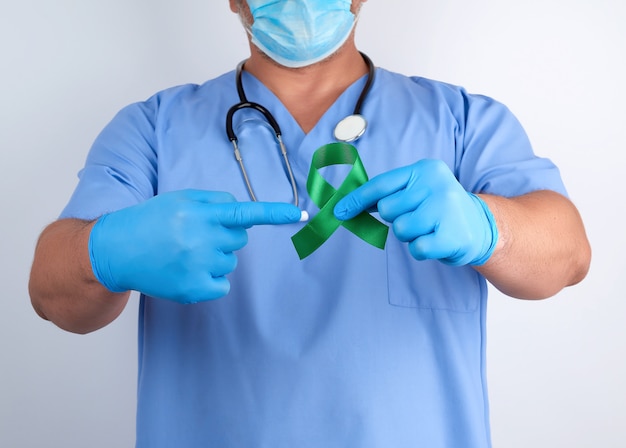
(245, 104)
(249, 105)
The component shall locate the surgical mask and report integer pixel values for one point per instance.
(298, 33)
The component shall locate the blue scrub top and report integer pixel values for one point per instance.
(351, 347)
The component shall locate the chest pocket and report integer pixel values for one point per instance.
(430, 284)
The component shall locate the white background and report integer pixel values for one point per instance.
(556, 368)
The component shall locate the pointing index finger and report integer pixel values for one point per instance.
(248, 214)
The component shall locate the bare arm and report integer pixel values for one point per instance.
(542, 247)
(62, 286)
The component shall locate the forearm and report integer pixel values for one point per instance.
(542, 245)
(62, 286)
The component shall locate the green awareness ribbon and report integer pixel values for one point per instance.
(325, 196)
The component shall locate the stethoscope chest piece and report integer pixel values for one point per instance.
(350, 128)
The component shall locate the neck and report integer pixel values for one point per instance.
(309, 91)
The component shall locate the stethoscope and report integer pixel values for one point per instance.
(347, 130)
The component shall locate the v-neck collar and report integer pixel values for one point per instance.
(293, 134)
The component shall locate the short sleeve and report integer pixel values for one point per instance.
(121, 167)
(495, 155)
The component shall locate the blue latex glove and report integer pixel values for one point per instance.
(430, 210)
(179, 245)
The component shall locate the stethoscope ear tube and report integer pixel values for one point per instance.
(368, 84)
(230, 132)
(243, 169)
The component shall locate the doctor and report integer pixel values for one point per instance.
(354, 345)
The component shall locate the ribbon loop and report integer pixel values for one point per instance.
(325, 196)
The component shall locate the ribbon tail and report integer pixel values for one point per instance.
(315, 233)
(369, 229)
(307, 241)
